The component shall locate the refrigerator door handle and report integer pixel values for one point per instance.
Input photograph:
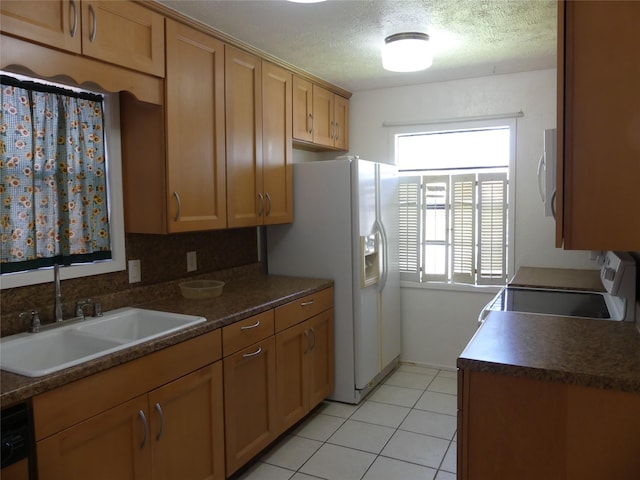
(384, 245)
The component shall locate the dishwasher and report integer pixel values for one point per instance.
(17, 461)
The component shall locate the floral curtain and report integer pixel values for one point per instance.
(53, 185)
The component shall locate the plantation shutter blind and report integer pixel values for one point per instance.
(436, 210)
(409, 228)
(492, 226)
(463, 220)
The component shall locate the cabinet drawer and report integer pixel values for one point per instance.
(303, 308)
(242, 334)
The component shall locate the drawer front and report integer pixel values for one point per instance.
(242, 334)
(303, 308)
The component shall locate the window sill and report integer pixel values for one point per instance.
(451, 287)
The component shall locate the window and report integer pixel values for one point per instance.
(454, 203)
(39, 189)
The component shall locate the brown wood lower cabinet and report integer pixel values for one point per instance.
(157, 417)
(250, 402)
(273, 380)
(304, 367)
(174, 414)
(175, 431)
(514, 427)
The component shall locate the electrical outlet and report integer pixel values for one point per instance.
(134, 271)
(192, 262)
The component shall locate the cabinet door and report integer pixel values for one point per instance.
(243, 78)
(522, 419)
(113, 444)
(52, 22)
(599, 132)
(196, 193)
(250, 402)
(125, 34)
(187, 431)
(292, 348)
(302, 109)
(341, 123)
(277, 153)
(320, 357)
(323, 106)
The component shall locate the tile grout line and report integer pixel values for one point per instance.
(396, 429)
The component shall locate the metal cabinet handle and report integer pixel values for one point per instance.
(268, 203)
(257, 352)
(145, 427)
(332, 135)
(94, 24)
(249, 327)
(261, 198)
(177, 217)
(161, 415)
(310, 123)
(313, 345)
(337, 131)
(306, 348)
(306, 304)
(73, 16)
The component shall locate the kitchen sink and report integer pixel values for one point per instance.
(37, 354)
(133, 324)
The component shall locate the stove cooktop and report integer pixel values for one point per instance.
(552, 302)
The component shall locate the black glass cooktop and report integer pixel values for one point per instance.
(552, 302)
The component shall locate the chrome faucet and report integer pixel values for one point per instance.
(80, 304)
(57, 313)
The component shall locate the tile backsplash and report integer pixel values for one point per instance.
(163, 259)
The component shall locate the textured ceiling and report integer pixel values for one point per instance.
(340, 40)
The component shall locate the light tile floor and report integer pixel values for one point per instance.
(404, 430)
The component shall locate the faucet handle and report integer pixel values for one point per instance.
(80, 304)
(35, 320)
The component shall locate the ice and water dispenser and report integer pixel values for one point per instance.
(369, 259)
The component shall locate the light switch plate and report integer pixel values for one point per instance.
(134, 271)
(192, 262)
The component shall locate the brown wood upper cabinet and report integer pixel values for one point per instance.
(183, 188)
(123, 33)
(320, 117)
(598, 126)
(258, 134)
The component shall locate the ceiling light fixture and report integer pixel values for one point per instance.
(306, 1)
(406, 52)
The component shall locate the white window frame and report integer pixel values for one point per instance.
(414, 279)
(116, 214)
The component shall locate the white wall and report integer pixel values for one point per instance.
(437, 324)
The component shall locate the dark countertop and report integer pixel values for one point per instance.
(241, 298)
(592, 353)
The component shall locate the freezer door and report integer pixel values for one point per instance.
(366, 338)
(389, 294)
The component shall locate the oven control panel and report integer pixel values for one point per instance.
(615, 269)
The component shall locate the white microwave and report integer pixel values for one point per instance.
(547, 172)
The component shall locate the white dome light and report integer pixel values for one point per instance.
(406, 52)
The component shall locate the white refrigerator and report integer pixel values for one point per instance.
(346, 228)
